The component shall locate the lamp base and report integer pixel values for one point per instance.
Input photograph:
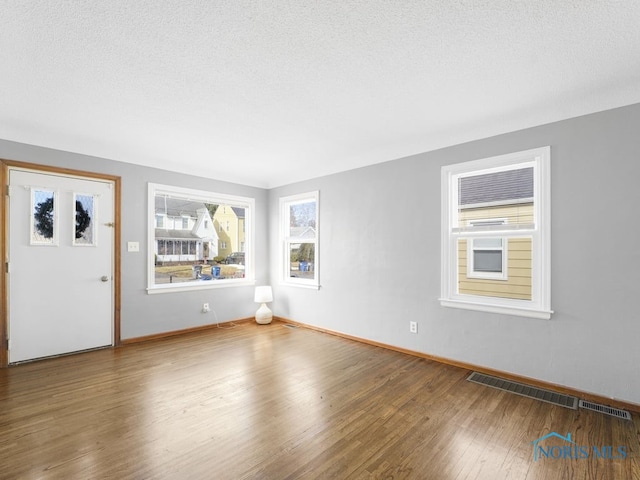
(264, 315)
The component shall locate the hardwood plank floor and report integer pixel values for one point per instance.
(273, 402)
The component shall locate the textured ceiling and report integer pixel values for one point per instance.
(270, 92)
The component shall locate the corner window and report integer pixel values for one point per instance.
(495, 234)
(183, 243)
(299, 225)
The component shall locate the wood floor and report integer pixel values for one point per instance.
(274, 402)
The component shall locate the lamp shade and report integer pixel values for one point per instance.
(263, 295)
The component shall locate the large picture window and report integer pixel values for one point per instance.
(299, 216)
(495, 234)
(189, 249)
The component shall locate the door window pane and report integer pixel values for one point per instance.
(85, 206)
(43, 217)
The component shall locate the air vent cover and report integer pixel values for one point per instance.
(596, 407)
(525, 390)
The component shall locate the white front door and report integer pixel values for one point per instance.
(61, 244)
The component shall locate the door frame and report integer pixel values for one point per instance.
(4, 237)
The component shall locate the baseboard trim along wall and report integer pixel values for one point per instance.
(173, 333)
(468, 366)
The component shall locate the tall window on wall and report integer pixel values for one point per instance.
(496, 236)
(299, 216)
(187, 245)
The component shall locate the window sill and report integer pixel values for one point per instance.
(205, 285)
(310, 286)
(492, 308)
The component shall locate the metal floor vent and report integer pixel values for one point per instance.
(288, 325)
(596, 407)
(525, 390)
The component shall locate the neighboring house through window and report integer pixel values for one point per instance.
(487, 257)
(299, 218)
(495, 234)
(184, 240)
(230, 225)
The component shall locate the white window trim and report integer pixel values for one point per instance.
(471, 271)
(540, 305)
(208, 197)
(285, 241)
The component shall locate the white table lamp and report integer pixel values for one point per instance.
(263, 295)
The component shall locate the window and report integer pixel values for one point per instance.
(487, 257)
(183, 258)
(495, 234)
(299, 216)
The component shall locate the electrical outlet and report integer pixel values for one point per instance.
(205, 307)
(413, 327)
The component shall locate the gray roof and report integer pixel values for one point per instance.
(176, 234)
(239, 211)
(511, 186)
(176, 207)
(302, 232)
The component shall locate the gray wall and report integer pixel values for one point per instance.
(380, 247)
(144, 314)
(380, 254)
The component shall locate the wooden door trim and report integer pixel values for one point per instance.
(4, 232)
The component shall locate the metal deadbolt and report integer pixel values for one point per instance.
(104, 278)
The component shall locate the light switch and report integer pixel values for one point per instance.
(133, 246)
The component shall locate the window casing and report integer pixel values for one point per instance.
(299, 227)
(496, 235)
(182, 258)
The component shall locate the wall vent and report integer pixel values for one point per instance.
(525, 390)
(596, 407)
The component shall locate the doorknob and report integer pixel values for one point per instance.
(104, 278)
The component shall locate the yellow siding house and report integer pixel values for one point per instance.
(491, 265)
